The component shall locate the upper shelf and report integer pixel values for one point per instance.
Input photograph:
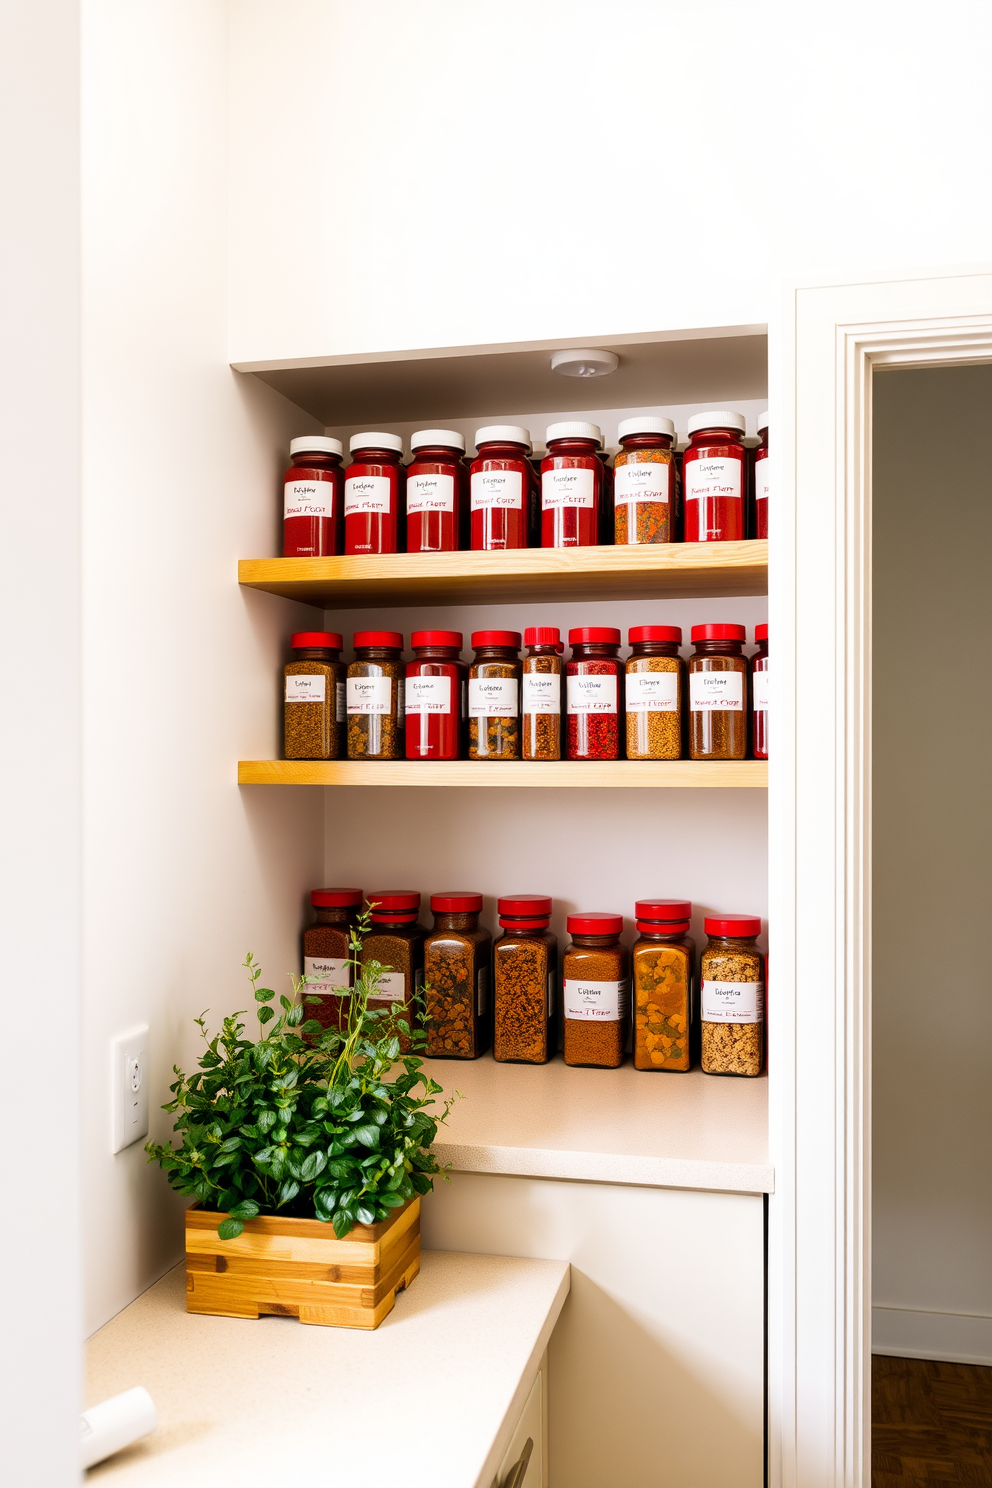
(663, 570)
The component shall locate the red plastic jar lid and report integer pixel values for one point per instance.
(761, 632)
(718, 633)
(329, 639)
(604, 634)
(594, 924)
(456, 902)
(662, 909)
(525, 906)
(655, 633)
(437, 638)
(335, 898)
(496, 638)
(667, 927)
(390, 904)
(542, 635)
(378, 638)
(737, 925)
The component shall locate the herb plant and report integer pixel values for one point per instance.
(306, 1121)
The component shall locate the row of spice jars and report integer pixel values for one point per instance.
(439, 504)
(592, 706)
(471, 992)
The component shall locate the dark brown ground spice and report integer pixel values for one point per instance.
(456, 988)
(311, 729)
(586, 1041)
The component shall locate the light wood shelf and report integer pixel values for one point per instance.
(661, 571)
(623, 773)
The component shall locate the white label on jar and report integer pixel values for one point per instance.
(762, 483)
(340, 705)
(366, 493)
(308, 498)
(482, 991)
(430, 493)
(428, 694)
(652, 692)
(716, 692)
(542, 692)
(592, 694)
(503, 489)
(733, 1002)
(567, 488)
(330, 974)
(306, 687)
(596, 1002)
(370, 695)
(712, 478)
(391, 988)
(761, 691)
(492, 697)
(640, 483)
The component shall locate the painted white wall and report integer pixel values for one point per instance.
(932, 878)
(442, 173)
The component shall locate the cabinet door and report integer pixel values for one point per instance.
(523, 1464)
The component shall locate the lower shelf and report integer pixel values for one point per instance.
(624, 773)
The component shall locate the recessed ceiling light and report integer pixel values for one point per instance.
(584, 363)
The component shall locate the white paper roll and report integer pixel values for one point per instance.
(115, 1423)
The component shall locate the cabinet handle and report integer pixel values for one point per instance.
(517, 1473)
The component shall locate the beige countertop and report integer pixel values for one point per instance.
(606, 1126)
(427, 1400)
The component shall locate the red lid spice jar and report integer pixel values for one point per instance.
(525, 974)
(312, 509)
(436, 490)
(456, 978)
(661, 969)
(759, 694)
(326, 953)
(373, 486)
(596, 991)
(571, 486)
(655, 693)
(593, 693)
(494, 695)
(500, 485)
(313, 696)
(540, 703)
(761, 478)
(396, 941)
(643, 481)
(718, 693)
(434, 680)
(713, 477)
(375, 696)
(732, 997)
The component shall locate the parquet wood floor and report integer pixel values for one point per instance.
(931, 1424)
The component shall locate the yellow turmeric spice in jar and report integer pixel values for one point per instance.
(662, 964)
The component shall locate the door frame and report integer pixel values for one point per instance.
(832, 336)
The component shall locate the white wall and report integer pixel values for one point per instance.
(443, 173)
(932, 879)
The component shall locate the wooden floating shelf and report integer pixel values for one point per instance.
(661, 571)
(533, 773)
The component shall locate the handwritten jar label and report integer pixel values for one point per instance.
(428, 694)
(716, 692)
(592, 694)
(340, 705)
(492, 697)
(652, 692)
(503, 489)
(640, 483)
(596, 1002)
(541, 692)
(733, 1002)
(712, 478)
(308, 498)
(329, 973)
(306, 687)
(430, 493)
(370, 695)
(761, 691)
(366, 493)
(392, 987)
(561, 488)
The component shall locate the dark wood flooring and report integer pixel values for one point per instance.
(931, 1424)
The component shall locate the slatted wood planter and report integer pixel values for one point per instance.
(298, 1268)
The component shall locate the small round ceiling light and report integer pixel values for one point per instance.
(584, 363)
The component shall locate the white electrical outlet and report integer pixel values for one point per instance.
(130, 1086)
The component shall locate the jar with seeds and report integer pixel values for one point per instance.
(655, 693)
(718, 693)
(326, 951)
(375, 696)
(525, 982)
(313, 697)
(494, 696)
(540, 705)
(596, 991)
(643, 488)
(732, 996)
(662, 965)
(396, 941)
(456, 978)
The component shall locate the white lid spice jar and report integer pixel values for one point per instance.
(313, 514)
(643, 481)
(373, 490)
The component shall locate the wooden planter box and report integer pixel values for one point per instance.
(298, 1268)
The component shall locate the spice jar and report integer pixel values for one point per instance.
(655, 693)
(375, 696)
(643, 488)
(313, 694)
(540, 686)
(434, 681)
(494, 695)
(661, 971)
(456, 978)
(396, 941)
(759, 694)
(326, 952)
(592, 681)
(525, 974)
(501, 480)
(718, 693)
(713, 475)
(312, 510)
(373, 485)
(732, 998)
(761, 478)
(436, 492)
(596, 991)
(571, 486)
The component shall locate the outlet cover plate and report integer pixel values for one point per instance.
(129, 1086)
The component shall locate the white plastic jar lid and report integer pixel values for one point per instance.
(721, 418)
(502, 434)
(315, 443)
(375, 440)
(762, 421)
(574, 430)
(646, 423)
(448, 438)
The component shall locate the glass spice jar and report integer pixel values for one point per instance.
(713, 476)
(571, 486)
(540, 688)
(718, 693)
(662, 966)
(500, 480)
(732, 997)
(313, 515)
(436, 490)
(396, 941)
(593, 693)
(494, 695)
(375, 696)
(759, 694)
(373, 487)
(456, 978)
(761, 478)
(525, 976)
(326, 951)
(596, 991)
(313, 697)
(643, 488)
(655, 693)
(605, 536)
(434, 680)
